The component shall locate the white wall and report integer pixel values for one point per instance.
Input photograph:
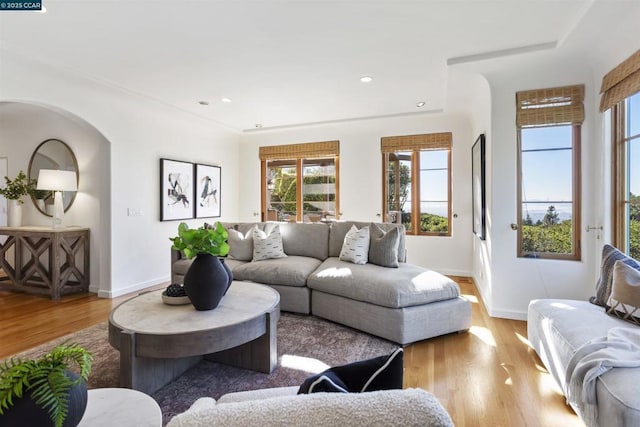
(361, 178)
(514, 281)
(139, 132)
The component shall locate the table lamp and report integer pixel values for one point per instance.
(57, 181)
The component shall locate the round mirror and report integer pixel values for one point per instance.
(52, 154)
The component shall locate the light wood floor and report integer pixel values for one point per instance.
(488, 376)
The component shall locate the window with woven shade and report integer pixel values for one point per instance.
(548, 123)
(417, 182)
(300, 182)
(621, 95)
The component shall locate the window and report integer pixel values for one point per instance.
(626, 122)
(417, 182)
(300, 182)
(621, 93)
(549, 128)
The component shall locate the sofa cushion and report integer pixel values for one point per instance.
(355, 247)
(624, 301)
(325, 382)
(378, 373)
(409, 407)
(609, 257)
(310, 240)
(240, 245)
(404, 286)
(339, 229)
(267, 245)
(383, 249)
(289, 271)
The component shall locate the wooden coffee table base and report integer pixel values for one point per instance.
(241, 331)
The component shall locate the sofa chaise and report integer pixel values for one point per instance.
(403, 303)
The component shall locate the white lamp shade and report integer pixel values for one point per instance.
(57, 180)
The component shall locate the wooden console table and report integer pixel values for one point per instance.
(44, 260)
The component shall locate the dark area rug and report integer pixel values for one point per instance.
(306, 345)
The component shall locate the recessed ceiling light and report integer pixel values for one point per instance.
(203, 102)
(258, 125)
(366, 79)
(227, 100)
(420, 104)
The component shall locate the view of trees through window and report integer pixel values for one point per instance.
(546, 168)
(628, 177)
(318, 192)
(431, 211)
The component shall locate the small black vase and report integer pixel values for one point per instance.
(25, 412)
(206, 282)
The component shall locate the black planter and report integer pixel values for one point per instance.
(206, 282)
(25, 412)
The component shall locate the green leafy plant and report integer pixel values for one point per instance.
(17, 188)
(194, 241)
(45, 379)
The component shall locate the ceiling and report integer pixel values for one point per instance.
(286, 63)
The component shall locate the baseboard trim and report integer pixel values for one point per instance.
(462, 273)
(133, 288)
(507, 314)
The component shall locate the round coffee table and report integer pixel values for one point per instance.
(158, 342)
(120, 407)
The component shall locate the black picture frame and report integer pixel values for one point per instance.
(176, 190)
(208, 187)
(478, 187)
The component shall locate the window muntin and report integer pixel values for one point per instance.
(627, 175)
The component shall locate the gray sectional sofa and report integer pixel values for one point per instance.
(404, 304)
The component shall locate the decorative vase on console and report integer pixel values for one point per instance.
(13, 191)
(207, 279)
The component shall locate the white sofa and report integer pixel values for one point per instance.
(283, 407)
(591, 352)
(557, 328)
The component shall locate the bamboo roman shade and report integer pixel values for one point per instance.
(300, 151)
(551, 106)
(429, 141)
(621, 82)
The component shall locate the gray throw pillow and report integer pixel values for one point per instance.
(240, 245)
(355, 248)
(609, 257)
(383, 249)
(624, 301)
(267, 246)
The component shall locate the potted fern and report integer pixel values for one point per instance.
(45, 391)
(208, 277)
(14, 190)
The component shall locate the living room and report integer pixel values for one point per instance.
(119, 133)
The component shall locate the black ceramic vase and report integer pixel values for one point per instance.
(206, 282)
(25, 412)
(229, 273)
